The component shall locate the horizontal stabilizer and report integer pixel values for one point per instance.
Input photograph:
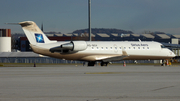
(12, 23)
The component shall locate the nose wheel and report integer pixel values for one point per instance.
(163, 63)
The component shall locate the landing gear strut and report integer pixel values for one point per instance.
(92, 63)
(104, 63)
(163, 63)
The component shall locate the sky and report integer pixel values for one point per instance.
(67, 16)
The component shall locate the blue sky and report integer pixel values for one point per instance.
(68, 15)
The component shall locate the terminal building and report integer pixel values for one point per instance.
(5, 40)
(23, 43)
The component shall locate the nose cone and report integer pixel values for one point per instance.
(172, 54)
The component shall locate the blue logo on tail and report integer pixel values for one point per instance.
(39, 38)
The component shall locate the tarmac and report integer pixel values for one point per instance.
(82, 83)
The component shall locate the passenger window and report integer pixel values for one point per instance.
(120, 48)
(111, 48)
(147, 47)
(129, 47)
(124, 47)
(106, 48)
(92, 48)
(134, 48)
(97, 48)
(102, 48)
(138, 47)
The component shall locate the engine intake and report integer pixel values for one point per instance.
(79, 45)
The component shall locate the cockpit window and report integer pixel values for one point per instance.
(162, 46)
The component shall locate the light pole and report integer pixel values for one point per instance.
(89, 6)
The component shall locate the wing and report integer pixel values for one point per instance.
(117, 58)
(105, 57)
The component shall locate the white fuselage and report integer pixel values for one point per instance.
(92, 51)
(109, 51)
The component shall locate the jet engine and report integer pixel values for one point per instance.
(72, 46)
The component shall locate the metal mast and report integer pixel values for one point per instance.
(89, 6)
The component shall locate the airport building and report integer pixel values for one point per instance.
(5, 40)
(29, 57)
(23, 43)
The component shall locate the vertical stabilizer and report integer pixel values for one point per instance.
(33, 33)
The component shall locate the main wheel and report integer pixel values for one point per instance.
(104, 63)
(91, 63)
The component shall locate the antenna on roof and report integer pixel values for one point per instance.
(42, 27)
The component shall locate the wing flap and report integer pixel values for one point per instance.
(118, 58)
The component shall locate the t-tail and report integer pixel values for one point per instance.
(34, 33)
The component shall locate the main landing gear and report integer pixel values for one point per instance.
(92, 63)
(104, 63)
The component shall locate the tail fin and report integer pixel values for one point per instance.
(33, 33)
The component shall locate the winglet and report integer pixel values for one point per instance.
(124, 53)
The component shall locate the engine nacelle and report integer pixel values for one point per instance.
(72, 46)
(79, 45)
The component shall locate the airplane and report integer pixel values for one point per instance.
(94, 51)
